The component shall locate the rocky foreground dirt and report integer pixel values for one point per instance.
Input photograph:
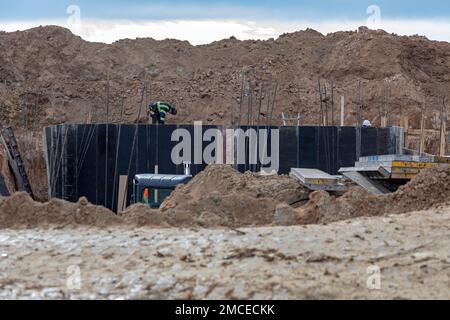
(198, 246)
(336, 261)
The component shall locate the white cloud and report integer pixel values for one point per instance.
(206, 31)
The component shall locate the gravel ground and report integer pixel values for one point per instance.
(395, 257)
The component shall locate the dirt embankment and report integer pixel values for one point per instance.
(222, 197)
(430, 189)
(50, 76)
(20, 211)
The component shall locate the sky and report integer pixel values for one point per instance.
(202, 21)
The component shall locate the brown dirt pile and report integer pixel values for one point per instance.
(429, 189)
(217, 197)
(50, 76)
(221, 196)
(20, 211)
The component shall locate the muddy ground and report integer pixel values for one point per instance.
(228, 235)
(333, 261)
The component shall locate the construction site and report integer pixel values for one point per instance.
(293, 168)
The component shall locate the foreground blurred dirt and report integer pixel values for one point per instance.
(304, 262)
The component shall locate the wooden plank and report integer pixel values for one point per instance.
(405, 125)
(442, 160)
(122, 194)
(396, 170)
(443, 136)
(417, 132)
(384, 121)
(422, 133)
(403, 176)
(407, 164)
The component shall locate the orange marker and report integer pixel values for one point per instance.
(146, 194)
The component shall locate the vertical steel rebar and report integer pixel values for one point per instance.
(321, 103)
(241, 100)
(332, 103)
(107, 99)
(273, 103)
(250, 102)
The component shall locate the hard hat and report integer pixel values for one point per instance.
(367, 123)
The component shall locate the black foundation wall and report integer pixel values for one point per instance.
(87, 160)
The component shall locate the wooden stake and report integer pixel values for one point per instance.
(405, 125)
(360, 104)
(342, 111)
(422, 131)
(332, 103)
(443, 143)
(89, 117)
(383, 121)
(122, 194)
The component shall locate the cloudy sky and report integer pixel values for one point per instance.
(203, 21)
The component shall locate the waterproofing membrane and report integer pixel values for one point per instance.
(88, 160)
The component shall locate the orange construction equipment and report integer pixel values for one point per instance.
(146, 195)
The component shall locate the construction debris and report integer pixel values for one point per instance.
(315, 179)
(382, 174)
(11, 149)
(429, 189)
(221, 196)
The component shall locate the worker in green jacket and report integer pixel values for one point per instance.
(158, 111)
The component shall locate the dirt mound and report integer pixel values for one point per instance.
(20, 211)
(221, 196)
(429, 189)
(141, 215)
(59, 77)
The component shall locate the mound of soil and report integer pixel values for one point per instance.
(20, 211)
(221, 196)
(141, 215)
(429, 189)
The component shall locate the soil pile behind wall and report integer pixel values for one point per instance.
(429, 189)
(221, 196)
